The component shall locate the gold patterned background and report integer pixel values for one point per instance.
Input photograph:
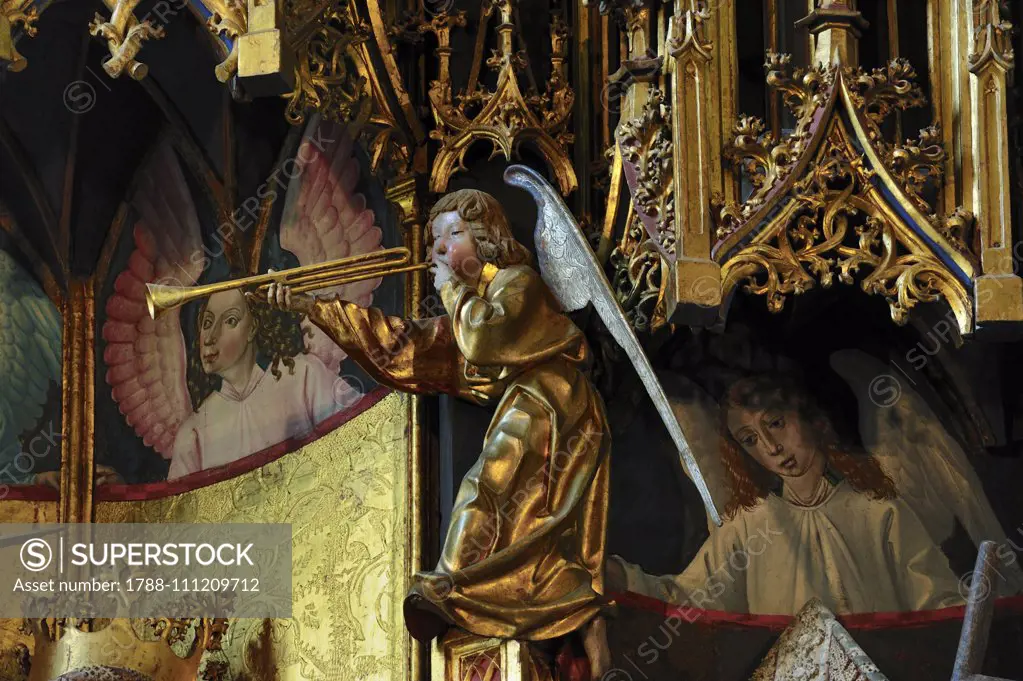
(11, 636)
(345, 497)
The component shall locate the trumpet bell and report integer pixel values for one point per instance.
(160, 297)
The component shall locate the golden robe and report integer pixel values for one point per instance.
(524, 552)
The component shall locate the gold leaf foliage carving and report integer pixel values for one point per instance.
(638, 278)
(837, 226)
(124, 35)
(230, 18)
(885, 89)
(764, 160)
(327, 78)
(16, 14)
(646, 144)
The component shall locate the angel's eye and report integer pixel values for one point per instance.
(748, 440)
(777, 422)
(232, 321)
(206, 324)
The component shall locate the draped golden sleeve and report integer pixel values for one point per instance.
(524, 552)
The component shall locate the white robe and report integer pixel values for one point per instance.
(231, 424)
(854, 553)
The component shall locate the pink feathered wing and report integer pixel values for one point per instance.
(145, 358)
(325, 218)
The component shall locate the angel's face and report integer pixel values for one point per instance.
(454, 245)
(775, 437)
(226, 332)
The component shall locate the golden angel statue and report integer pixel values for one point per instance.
(524, 554)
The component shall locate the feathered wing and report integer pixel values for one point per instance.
(146, 359)
(30, 356)
(931, 471)
(325, 218)
(574, 276)
(697, 413)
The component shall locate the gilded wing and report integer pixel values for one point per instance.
(30, 359)
(326, 218)
(930, 469)
(145, 358)
(574, 276)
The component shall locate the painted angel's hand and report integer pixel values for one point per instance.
(49, 478)
(105, 475)
(441, 273)
(280, 297)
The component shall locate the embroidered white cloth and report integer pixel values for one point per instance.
(815, 647)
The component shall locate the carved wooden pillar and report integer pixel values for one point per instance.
(402, 193)
(640, 70)
(78, 401)
(835, 27)
(694, 293)
(948, 29)
(265, 61)
(999, 291)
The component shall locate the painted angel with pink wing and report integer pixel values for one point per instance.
(251, 377)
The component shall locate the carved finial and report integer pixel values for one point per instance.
(124, 34)
(837, 28)
(230, 18)
(992, 38)
(12, 14)
(507, 113)
(688, 34)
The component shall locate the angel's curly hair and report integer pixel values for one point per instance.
(279, 339)
(485, 218)
(750, 482)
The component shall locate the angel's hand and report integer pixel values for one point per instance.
(280, 297)
(105, 475)
(49, 478)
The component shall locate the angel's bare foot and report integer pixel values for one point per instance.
(597, 650)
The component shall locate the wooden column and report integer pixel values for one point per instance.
(999, 290)
(265, 61)
(694, 293)
(79, 392)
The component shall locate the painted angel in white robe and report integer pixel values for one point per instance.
(253, 377)
(807, 517)
(30, 363)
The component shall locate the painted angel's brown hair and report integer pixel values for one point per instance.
(279, 339)
(485, 218)
(750, 482)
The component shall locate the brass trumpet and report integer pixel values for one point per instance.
(160, 298)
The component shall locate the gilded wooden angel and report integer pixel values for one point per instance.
(524, 552)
